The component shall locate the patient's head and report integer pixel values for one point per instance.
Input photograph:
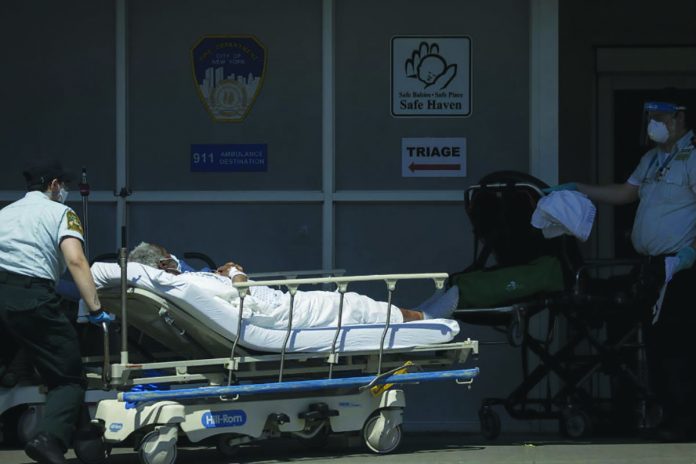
(154, 255)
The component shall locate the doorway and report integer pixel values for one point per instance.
(627, 77)
(628, 148)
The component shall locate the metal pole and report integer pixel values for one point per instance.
(333, 357)
(84, 192)
(123, 262)
(121, 84)
(292, 289)
(233, 362)
(106, 368)
(391, 285)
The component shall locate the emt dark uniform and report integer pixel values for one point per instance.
(31, 261)
(665, 223)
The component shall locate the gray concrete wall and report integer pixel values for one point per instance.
(57, 87)
(59, 99)
(166, 115)
(368, 139)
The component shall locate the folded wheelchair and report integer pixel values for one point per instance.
(578, 328)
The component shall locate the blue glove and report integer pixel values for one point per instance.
(559, 187)
(100, 317)
(686, 256)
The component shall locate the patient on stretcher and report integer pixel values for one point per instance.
(270, 308)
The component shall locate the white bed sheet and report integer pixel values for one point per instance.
(221, 316)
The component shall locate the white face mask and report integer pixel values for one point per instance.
(62, 195)
(657, 131)
(166, 263)
(178, 263)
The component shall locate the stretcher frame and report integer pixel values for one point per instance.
(333, 399)
(570, 404)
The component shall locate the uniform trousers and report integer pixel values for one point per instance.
(669, 341)
(30, 318)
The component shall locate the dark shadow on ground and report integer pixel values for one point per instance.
(350, 446)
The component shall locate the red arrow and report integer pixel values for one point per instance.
(434, 167)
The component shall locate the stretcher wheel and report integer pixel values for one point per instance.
(490, 423)
(378, 437)
(226, 445)
(158, 447)
(93, 451)
(575, 423)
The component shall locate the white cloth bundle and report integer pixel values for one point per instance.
(564, 212)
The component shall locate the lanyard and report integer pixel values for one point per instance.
(662, 168)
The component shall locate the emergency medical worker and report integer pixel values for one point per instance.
(39, 236)
(664, 182)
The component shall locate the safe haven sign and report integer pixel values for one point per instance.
(433, 157)
(431, 76)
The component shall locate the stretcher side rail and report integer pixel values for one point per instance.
(121, 373)
(460, 351)
(430, 356)
(460, 375)
(438, 277)
(342, 286)
(295, 274)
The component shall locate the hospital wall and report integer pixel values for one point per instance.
(583, 28)
(60, 92)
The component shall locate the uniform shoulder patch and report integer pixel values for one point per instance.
(683, 155)
(74, 223)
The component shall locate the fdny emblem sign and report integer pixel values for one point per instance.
(228, 71)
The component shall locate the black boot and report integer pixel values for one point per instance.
(45, 449)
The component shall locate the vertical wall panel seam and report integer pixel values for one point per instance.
(121, 58)
(543, 89)
(328, 134)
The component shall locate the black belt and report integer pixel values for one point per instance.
(655, 259)
(11, 278)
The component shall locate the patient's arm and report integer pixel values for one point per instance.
(225, 268)
(232, 270)
(79, 268)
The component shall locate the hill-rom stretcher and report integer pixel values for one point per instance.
(208, 383)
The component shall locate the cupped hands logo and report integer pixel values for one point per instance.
(428, 66)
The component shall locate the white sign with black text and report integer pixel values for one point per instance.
(431, 76)
(433, 157)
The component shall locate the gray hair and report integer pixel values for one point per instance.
(148, 254)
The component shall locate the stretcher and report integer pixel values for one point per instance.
(233, 383)
(573, 341)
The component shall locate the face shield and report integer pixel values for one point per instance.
(658, 123)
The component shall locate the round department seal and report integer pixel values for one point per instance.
(228, 99)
